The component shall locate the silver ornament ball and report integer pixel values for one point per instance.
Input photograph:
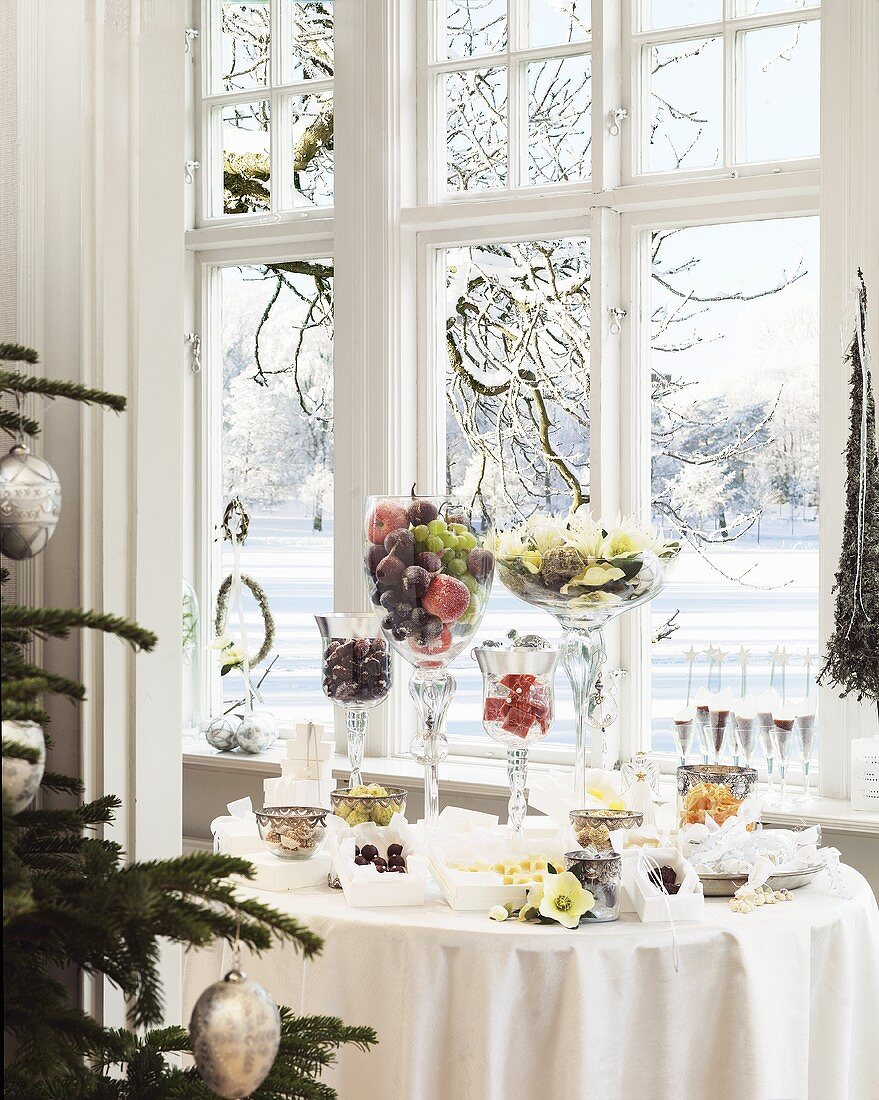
(235, 1031)
(222, 732)
(257, 732)
(21, 778)
(30, 503)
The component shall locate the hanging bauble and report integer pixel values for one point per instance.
(21, 778)
(258, 731)
(235, 1031)
(222, 732)
(30, 503)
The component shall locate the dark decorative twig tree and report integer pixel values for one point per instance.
(70, 898)
(852, 659)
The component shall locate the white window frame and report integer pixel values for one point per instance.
(386, 232)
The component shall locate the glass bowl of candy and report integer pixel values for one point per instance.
(592, 827)
(356, 674)
(429, 569)
(292, 832)
(357, 805)
(712, 790)
(601, 873)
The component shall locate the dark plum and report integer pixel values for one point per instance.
(480, 563)
(429, 561)
(416, 580)
(421, 511)
(401, 543)
(374, 555)
(390, 571)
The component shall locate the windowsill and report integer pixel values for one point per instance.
(488, 779)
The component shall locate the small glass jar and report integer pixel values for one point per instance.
(292, 832)
(716, 790)
(601, 873)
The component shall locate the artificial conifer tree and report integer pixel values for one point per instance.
(852, 659)
(70, 899)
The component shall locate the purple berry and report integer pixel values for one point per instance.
(416, 580)
(480, 563)
(429, 561)
(421, 512)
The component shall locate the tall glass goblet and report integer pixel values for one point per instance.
(783, 740)
(585, 574)
(429, 567)
(719, 726)
(356, 675)
(806, 729)
(517, 710)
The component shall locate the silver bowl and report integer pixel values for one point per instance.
(292, 832)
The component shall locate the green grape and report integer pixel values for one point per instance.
(457, 567)
(447, 555)
(421, 532)
(469, 541)
(461, 543)
(471, 582)
(435, 544)
(458, 528)
(449, 539)
(437, 526)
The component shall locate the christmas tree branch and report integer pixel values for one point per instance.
(12, 382)
(50, 622)
(16, 424)
(18, 353)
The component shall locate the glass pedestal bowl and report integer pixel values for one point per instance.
(518, 701)
(429, 568)
(584, 574)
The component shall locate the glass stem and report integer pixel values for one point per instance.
(783, 772)
(432, 691)
(517, 774)
(355, 721)
(770, 776)
(582, 656)
(805, 778)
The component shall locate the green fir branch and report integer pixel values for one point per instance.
(12, 382)
(15, 424)
(50, 622)
(18, 353)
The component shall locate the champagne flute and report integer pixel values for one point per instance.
(718, 727)
(745, 737)
(805, 727)
(703, 699)
(684, 728)
(783, 741)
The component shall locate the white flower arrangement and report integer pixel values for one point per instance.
(593, 563)
(559, 899)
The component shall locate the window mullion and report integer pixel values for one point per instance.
(731, 97)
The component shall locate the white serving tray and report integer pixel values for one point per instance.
(479, 894)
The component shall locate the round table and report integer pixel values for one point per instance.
(779, 1004)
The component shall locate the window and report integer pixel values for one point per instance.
(598, 273)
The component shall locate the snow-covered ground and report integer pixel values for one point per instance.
(294, 565)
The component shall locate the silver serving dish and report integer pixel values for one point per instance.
(725, 885)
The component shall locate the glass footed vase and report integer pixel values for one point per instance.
(583, 591)
(356, 675)
(518, 704)
(429, 568)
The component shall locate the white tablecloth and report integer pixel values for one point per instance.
(779, 1004)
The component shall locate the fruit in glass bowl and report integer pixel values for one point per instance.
(429, 567)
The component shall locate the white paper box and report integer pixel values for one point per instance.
(235, 836)
(297, 792)
(466, 891)
(281, 875)
(301, 750)
(364, 887)
(303, 769)
(650, 903)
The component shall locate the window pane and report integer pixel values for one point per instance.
(246, 158)
(277, 452)
(244, 45)
(312, 123)
(662, 14)
(782, 90)
(686, 105)
(475, 27)
(476, 129)
(517, 412)
(555, 21)
(559, 119)
(734, 377)
(311, 54)
(764, 7)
